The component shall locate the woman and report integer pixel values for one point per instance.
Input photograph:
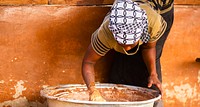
(133, 37)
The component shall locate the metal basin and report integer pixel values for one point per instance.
(76, 95)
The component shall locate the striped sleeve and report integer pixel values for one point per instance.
(162, 6)
(99, 43)
(158, 29)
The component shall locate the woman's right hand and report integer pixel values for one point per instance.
(95, 95)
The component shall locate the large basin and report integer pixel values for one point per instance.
(116, 95)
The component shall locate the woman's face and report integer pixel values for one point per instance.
(129, 47)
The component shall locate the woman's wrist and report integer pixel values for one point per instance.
(91, 87)
(153, 74)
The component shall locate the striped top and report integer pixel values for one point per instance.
(103, 40)
(162, 6)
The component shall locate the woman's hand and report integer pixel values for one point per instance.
(95, 95)
(153, 79)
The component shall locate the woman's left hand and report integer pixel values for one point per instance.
(153, 79)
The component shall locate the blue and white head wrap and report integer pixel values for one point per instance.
(128, 22)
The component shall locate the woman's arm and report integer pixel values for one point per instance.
(149, 56)
(89, 60)
(88, 63)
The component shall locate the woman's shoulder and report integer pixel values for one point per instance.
(156, 24)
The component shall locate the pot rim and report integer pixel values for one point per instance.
(101, 85)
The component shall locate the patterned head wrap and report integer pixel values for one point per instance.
(128, 22)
